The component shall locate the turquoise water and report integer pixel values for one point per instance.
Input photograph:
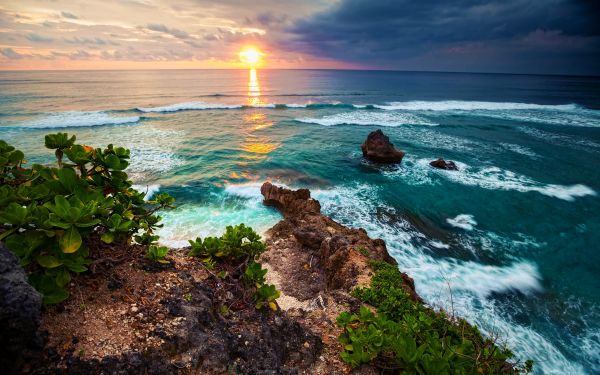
(513, 237)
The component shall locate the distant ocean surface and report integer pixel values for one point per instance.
(514, 235)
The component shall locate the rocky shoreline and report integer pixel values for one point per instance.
(132, 317)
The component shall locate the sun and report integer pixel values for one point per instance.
(250, 56)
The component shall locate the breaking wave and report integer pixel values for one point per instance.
(494, 178)
(463, 221)
(76, 119)
(368, 118)
(460, 105)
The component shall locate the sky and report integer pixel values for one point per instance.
(507, 36)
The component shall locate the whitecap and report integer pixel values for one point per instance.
(560, 139)
(77, 119)
(391, 119)
(518, 149)
(189, 106)
(419, 172)
(439, 245)
(449, 105)
(463, 221)
(561, 114)
(499, 179)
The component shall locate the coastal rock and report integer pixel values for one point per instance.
(20, 311)
(443, 164)
(316, 263)
(378, 148)
(338, 253)
(289, 202)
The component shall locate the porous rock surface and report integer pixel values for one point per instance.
(378, 148)
(20, 312)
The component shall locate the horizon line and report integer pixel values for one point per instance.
(325, 69)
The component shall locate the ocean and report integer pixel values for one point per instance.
(511, 241)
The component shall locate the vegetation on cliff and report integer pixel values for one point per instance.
(405, 336)
(49, 213)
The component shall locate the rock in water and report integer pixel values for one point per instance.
(378, 148)
(20, 312)
(443, 164)
(289, 202)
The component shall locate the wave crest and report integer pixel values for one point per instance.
(77, 119)
(460, 105)
(391, 119)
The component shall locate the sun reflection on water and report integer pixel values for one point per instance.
(255, 148)
(253, 89)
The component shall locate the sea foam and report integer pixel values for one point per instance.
(188, 106)
(77, 119)
(391, 119)
(450, 105)
(418, 172)
(463, 221)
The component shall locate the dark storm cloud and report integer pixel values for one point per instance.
(557, 36)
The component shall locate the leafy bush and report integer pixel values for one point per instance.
(48, 213)
(157, 253)
(405, 336)
(237, 244)
(240, 246)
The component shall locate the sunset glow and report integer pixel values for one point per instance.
(251, 56)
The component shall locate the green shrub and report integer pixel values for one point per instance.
(239, 246)
(48, 213)
(405, 336)
(157, 253)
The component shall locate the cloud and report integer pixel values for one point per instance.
(10, 53)
(38, 38)
(270, 19)
(492, 35)
(90, 41)
(179, 34)
(69, 15)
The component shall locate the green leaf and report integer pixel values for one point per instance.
(48, 261)
(70, 241)
(59, 141)
(63, 277)
(55, 296)
(61, 207)
(13, 214)
(113, 162)
(108, 237)
(68, 178)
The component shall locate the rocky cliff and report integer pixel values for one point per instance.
(316, 263)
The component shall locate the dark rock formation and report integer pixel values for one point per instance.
(378, 148)
(443, 164)
(289, 202)
(20, 312)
